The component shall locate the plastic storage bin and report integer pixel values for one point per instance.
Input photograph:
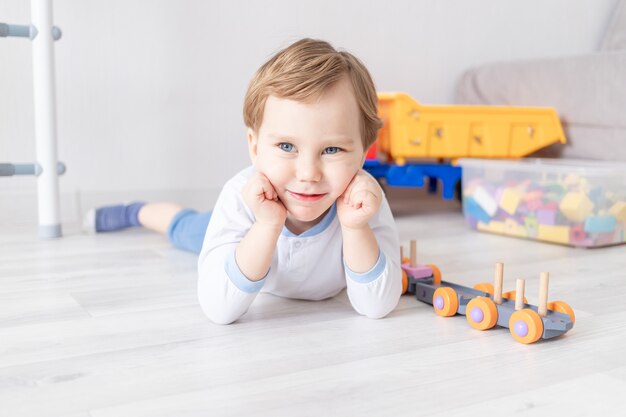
(571, 202)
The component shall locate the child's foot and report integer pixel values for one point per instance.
(111, 218)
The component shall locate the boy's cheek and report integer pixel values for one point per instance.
(269, 173)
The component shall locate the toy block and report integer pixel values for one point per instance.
(502, 216)
(577, 233)
(619, 211)
(546, 216)
(497, 194)
(559, 234)
(596, 194)
(534, 205)
(607, 238)
(531, 222)
(418, 271)
(485, 201)
(576, 206)
(600, 224)
(554, 192)
(473, 210)
(552, 205)
(509, 200)
(412, 267)
(571, 179)
(513, 228)
(522, 209)
(611, 196)
(493, 227)
(533, 196)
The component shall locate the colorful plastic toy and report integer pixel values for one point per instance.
(412, 130)
(543, 200)
(486, 306)
(412, 175)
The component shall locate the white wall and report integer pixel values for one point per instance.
(149, 92)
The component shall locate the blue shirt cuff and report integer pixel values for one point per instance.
(239, 279)
(372, 274)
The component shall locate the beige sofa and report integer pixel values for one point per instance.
(588, 91)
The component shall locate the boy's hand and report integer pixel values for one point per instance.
(259, 194)
(360, 201)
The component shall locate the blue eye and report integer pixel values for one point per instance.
(287, 147)
(331, 150)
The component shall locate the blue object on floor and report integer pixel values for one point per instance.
(412, 175)
(111, 218)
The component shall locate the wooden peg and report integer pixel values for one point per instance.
(497, 283)
(519, 294)
(413, 253)
(401, 254)
(542, 307)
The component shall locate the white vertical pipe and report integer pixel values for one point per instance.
(45, 120)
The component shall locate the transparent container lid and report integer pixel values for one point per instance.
(579, 166)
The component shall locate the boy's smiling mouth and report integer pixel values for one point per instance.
(305, 197)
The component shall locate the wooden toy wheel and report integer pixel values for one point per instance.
(445, 301)
(562, 307)
(405, 282)
(484, 287)
(526, 326)
(481, 313)
(510, 295)
(436, 273)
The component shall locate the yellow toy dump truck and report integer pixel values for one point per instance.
(415, 131)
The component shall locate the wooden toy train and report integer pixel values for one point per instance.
(486, 306)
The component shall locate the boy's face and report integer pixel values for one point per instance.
(309, 151)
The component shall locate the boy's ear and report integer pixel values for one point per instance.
(253, 141)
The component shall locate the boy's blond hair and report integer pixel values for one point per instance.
(303, 71)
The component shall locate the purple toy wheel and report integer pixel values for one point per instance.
(521, 328)
(477, 315)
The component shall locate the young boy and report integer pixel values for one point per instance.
(304, 221)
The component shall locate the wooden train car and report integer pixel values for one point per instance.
(486, 306)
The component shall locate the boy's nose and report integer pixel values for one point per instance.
(308, 170)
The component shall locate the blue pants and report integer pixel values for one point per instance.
(187, 229)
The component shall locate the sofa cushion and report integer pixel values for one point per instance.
(615, 37)
(588, 92)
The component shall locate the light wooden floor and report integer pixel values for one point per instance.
(108, 325)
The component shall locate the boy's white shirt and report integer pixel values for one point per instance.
(309, 266)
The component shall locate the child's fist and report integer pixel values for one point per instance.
(259, 194)
(360, 201)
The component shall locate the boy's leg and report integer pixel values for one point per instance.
(154, 216)
(112, 218)
(158, 216)
(187, 229)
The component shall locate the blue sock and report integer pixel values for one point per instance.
(119, 217)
